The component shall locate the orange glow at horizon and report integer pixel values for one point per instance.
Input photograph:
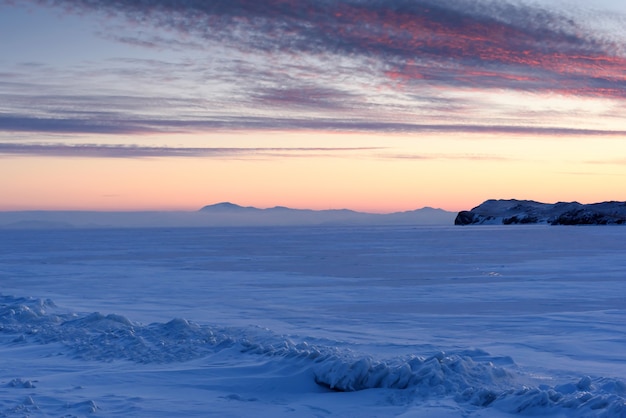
(443, 171)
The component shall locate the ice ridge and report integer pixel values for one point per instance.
(469, 376)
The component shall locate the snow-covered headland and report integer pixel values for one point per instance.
(510, 212)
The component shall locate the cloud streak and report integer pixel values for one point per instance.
(479, 44)
(101, 125)
(405, 66)
(125, 151)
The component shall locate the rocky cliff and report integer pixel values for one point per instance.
(510, 212)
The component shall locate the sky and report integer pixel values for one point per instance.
(372, 105)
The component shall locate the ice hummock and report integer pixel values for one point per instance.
(472, 377)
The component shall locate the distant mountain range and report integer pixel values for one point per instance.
(515, 212)
(221, 214)
(226, 214)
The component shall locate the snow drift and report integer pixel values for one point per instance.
(469, 376)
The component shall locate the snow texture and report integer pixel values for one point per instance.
(487, 322)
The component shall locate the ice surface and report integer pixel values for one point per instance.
(354, 321)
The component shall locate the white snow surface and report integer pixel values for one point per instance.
(491, 321)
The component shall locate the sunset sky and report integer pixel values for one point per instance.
(371, 105)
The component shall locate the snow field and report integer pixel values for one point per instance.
(483, 322)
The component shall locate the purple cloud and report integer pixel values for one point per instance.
(100, 125)
(340, 65)
(480, 44)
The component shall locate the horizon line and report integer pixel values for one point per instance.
(235, 205)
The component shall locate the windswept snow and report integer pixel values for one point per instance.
(390, 321)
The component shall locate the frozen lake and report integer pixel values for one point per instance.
(489, 321)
